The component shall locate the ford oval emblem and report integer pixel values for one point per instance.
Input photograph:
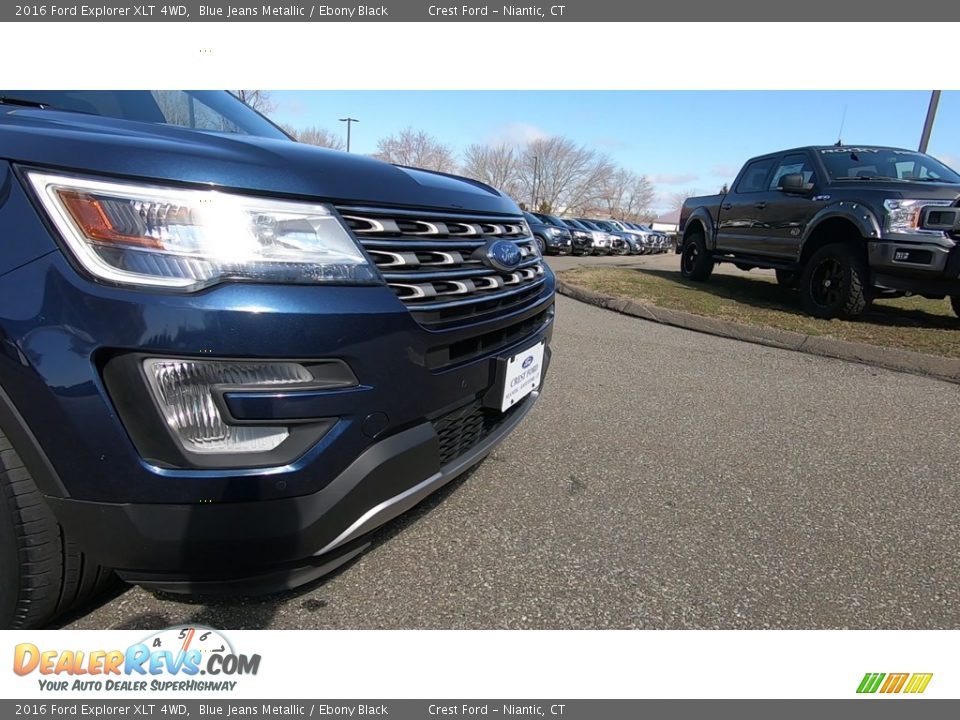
(528, 362)
(501, 255)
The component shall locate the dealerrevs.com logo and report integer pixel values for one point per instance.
(177, 659)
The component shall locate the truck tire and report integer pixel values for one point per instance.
(789, 279)
(42, 572)
(834, 283)
(955, 303)
(695, 261)
(541, 245)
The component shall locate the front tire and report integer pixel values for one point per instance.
(42, 572)
(835, 283)
(695, 261)
(541, 245)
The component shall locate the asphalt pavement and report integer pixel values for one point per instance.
(666, 479)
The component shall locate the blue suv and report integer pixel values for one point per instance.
(226, 357)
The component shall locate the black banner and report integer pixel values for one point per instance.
(439, 11)
(162, 709)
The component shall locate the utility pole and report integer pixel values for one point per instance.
(349, 121)
(928, 123)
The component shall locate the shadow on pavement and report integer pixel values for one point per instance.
(762, 293)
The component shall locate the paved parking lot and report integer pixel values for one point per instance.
(666, 479)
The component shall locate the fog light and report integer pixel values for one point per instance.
(185, 391)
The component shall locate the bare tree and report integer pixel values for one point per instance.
(675, 200)
(626, 195)
(259, 100)
(496, 165)
(556, 173)
(416, 148)
(317, 136)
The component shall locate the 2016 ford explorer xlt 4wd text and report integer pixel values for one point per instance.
(844, 224)
(226, 357)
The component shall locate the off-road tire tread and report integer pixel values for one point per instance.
(858, 294)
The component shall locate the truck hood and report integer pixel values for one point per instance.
(91, 144)
(899, 189)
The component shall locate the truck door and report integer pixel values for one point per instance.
(792, 211)
(742, 218)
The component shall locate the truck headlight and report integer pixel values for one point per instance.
(554, 231)
(903, 214)
(139, 234)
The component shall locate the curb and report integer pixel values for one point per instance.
(906, 361)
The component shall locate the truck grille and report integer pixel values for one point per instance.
(427, 258)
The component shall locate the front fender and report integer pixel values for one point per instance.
(858, 214)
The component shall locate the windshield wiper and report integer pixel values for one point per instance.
(22, 102)
(39, 104)
(931, 179)
(866, 177)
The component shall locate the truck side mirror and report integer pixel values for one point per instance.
(793, 183)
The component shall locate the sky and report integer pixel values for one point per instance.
(682, 140)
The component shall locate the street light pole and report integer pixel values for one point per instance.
(928, 123)
(349, 121)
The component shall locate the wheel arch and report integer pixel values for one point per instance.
(700, 220)
(850, 223)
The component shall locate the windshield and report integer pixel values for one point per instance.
(849, 163)
(210, 110)
(553, 220)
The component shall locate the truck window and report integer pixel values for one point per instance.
(850, 163)
(790, 165)
(754, 176)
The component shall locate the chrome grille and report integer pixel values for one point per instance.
(429, 260)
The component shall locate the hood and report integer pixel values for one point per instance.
(91, 144)
(899, 188)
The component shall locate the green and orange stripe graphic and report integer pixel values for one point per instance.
(894, 682)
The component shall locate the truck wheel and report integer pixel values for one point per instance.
(541, 245)
(695, 261)
(834, 283)
(42, 573)
(788, 279)
(955, 302)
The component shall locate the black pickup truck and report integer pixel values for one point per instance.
(844, 224)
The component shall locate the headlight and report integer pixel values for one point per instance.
(189, 239)
(903, 215)
(555, 231)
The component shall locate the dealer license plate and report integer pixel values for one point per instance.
(523, 375)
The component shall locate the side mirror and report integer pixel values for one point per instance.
(793, 183)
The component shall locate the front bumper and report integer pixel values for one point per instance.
(916, 265)
(273, 545)
(559, 245)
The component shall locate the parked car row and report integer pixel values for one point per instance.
(590, 236)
